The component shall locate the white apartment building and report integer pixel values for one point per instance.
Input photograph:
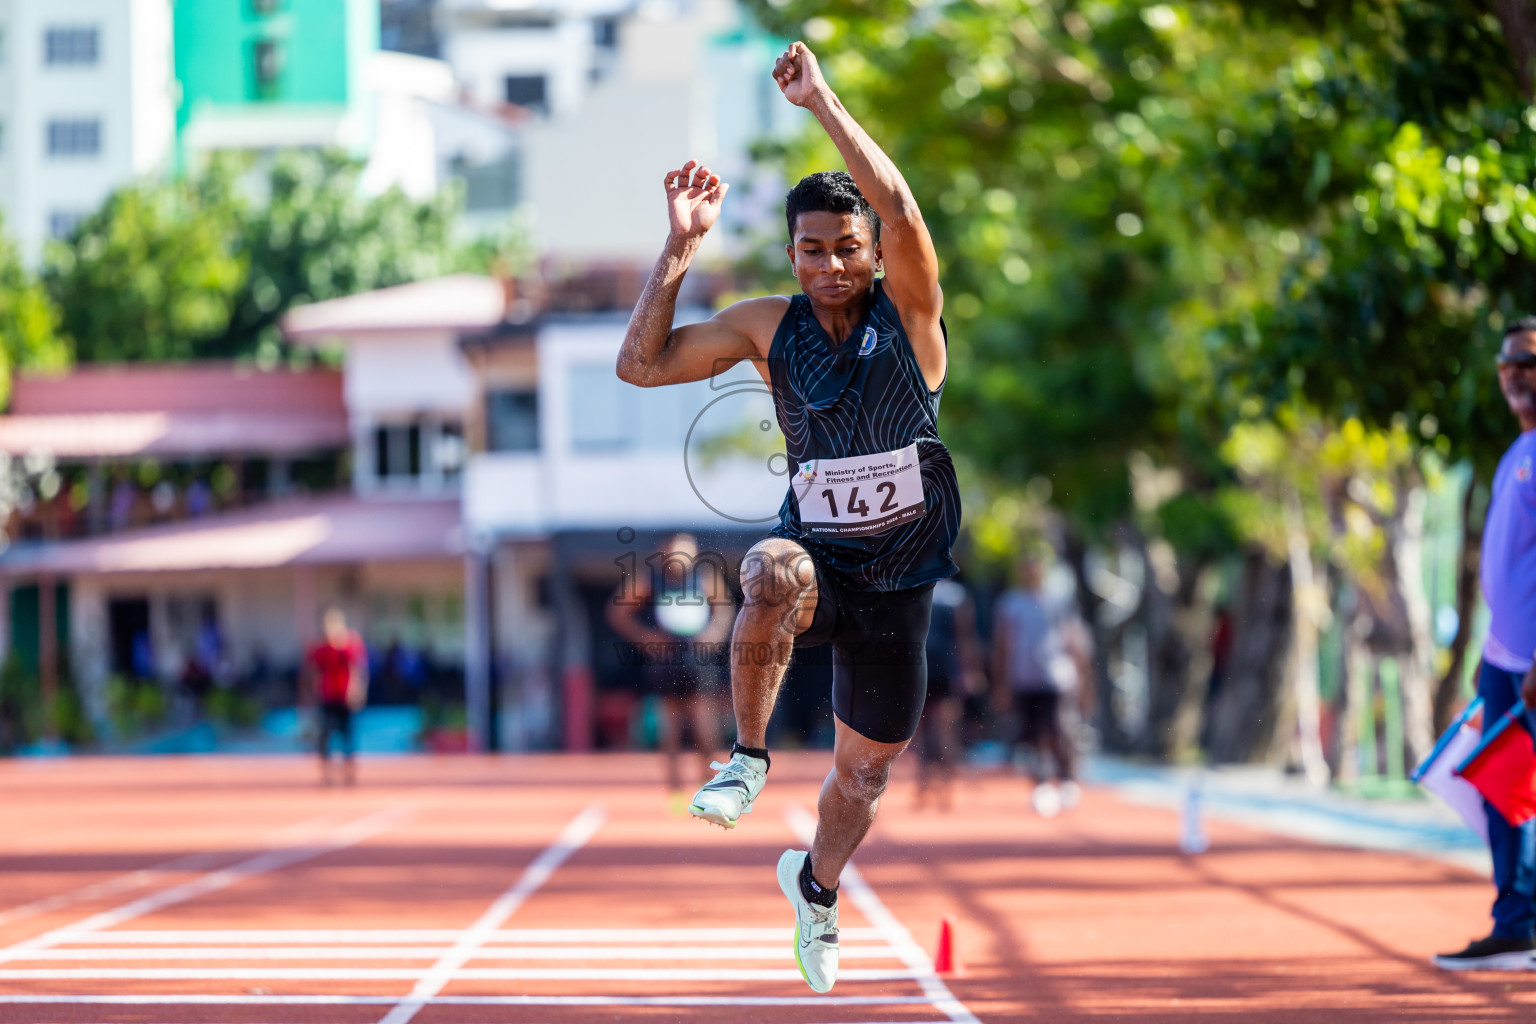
(87, 102)
(607, 95)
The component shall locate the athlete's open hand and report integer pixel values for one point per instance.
(694, 194)
(799, 76)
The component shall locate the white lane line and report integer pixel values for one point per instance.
(98, 954)
(345, 1000)
(896, 934)
(150, 875)
(338, 838)
(445, 936)
(572, 838)
(424, 976)
(111, 886)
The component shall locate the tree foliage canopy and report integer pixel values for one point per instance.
(205, 267)
(1154, 215)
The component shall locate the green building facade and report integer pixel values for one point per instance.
(264, 74)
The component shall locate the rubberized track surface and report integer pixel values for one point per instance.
(561, 890)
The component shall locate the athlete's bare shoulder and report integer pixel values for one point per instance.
(757, 318)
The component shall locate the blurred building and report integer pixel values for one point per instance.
(597, 85)
(509, 398)
(196, 519)
(86, 104)
(408, 26)
(265, 74)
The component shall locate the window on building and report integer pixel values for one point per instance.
(605, 32)
(70, 44)
(512, 421)
(62, 223)
(76, 137)
(429, 451)
(602, 410)
(447, 455)
(490, 186)
(397, 451)
(527, 91)
(267, 60)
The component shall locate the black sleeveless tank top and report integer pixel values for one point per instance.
(863, 397)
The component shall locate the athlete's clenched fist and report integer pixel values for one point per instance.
(798, 75)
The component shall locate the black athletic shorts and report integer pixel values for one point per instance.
(1039, 715)
(879, 655)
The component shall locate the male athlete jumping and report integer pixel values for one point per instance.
(856, 364)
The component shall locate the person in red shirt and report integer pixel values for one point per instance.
(338, 674)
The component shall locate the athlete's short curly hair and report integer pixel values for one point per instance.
(831, 192)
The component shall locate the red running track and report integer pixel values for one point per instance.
(563, 890)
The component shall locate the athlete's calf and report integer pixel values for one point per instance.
(861, 769)
(778, 583)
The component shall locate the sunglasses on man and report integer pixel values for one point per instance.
(1521, 361)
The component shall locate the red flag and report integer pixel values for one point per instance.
(1503, 768)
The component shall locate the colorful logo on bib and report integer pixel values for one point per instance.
(808, 471)
(1523, 471)
(867, 344)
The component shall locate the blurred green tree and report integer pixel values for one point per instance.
(1392, 158)
(1153, 213)
(149, 275)
(29, 322)
(314, 235)
(1042, 142)
(205, 267)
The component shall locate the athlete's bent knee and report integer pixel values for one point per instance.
(863, 783)
(776, 573)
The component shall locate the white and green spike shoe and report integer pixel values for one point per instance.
(815, 926)
(730, 793)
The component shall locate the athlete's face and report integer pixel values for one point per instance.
(835, 257)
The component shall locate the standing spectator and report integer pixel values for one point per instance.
(339, 676)
(678, 616)
(954, 668)
(1039, 656)
(1506, 675)
(1221, 654)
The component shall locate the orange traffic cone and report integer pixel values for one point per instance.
(946, 960)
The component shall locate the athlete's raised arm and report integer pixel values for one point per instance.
(656, 353)
(911, 265)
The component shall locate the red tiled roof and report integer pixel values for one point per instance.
(344, 530)
(458, 302)
(198, 409)
(178, 388)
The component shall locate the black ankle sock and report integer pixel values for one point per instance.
(812, 890)
(757, 752)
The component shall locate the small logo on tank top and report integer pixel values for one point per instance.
(867, 343)
(1523, 471)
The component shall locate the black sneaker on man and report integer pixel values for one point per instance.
(1491, 954)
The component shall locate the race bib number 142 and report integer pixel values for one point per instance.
(862, 494)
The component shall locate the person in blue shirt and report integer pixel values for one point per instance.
(1509, 654)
